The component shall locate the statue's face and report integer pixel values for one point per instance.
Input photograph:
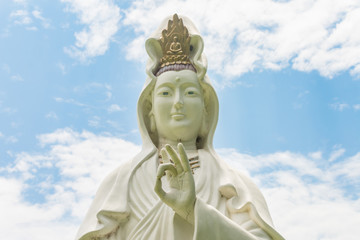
(178, 105)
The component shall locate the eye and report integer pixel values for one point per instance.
(191, 92)
(164, 92)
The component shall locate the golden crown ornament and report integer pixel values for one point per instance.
(175, 46)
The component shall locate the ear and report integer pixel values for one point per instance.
(152, 123)
(204, 129)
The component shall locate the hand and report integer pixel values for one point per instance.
(181, 198)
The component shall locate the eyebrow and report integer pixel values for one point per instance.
(166, 84)
(171, 85)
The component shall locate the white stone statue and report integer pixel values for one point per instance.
(177, 188)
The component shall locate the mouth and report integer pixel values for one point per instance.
(177, 116)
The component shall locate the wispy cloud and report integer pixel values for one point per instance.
(104, 89)
(38, 15)
(62, 68)
(13, 76)
(29, 18)
(306, 198)
(241, 36)
(336, 154)
(70, 101)
(17, 78)
(316, 155)
(356, 107)
(6, 109)
(339, 106)
(5, 67)
(94, 121)
(20, 1)
(12, 139)
(101, 20)
(21, 17)
(51, 115)
(115, 108)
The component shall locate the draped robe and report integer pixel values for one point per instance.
(228, 206)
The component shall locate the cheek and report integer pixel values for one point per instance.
(161, 106)
(195, 105)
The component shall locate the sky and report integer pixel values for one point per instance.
(287, 74)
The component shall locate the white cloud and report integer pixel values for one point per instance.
(6, 68)
(101, 19)
(306, 199)
(316, 155)
(103, 90)
(356, 107)
(38, 15)
(336, 154)
(339, 106)
(21, 17)
(70, 101)
(115, 108)
(65, 176)
(17, 78)
(94, 121)
(62, 67)
(5, 109)
(28, 19)
(11, 139)
(20, 1)
(52, 115)
(241, 36)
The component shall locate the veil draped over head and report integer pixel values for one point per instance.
(199, 61)
(216, 181)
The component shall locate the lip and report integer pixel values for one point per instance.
(177, 116)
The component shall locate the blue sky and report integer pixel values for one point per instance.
(287, 74)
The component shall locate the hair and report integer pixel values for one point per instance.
(175, 67)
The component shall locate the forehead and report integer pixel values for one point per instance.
(177, 78)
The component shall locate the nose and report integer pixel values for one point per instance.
(179, 103)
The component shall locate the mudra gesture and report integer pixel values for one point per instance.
(177, 188)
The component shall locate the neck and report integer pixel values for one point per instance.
(189, 145)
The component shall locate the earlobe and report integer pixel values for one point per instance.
(204, 125)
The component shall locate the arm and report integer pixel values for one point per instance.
(211, 224)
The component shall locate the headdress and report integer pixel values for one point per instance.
(175, 47)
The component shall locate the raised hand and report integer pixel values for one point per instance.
(181, 198)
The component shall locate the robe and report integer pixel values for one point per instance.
(228, 206)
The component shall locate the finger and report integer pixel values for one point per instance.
(165, 156)
(183, 158)
(158, 188)
(166, 167)
(158, 184)
(166, 159)
(175, 158)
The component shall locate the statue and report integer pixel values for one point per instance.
(177, 188)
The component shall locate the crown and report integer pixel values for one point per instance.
(175, 44)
